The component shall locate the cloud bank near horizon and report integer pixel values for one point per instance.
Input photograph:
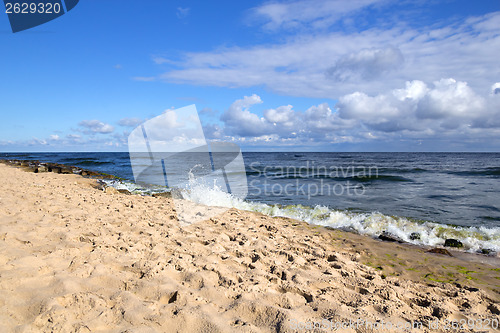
(446, 109)
(443, 111)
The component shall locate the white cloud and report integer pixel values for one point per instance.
(130, 122)
(328, 65)
(448, 104)
(319, 119)
(367, 64)
(36, 142)
(96, 126)
(281, 115)
(54, 137)
(450, 98)
(182, 12)
(209, 112)
(169, 121)
(444, 110)
(144, 78)
(306, 13)
(495, 89)
(240, 121)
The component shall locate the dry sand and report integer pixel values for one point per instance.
(78, 259)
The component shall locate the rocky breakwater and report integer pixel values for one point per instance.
(39, 167)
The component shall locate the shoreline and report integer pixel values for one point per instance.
(458, 251)
(74, 256)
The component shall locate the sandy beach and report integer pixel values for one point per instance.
(75, 258)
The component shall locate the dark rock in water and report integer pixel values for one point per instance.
(440, 251)
(388, 237)
(36, 167)
(89, 173)
(55, 169)
(453, 243)
(66, 170)
(414, 236)
(487, 251)
(124, 191)
(162, 195)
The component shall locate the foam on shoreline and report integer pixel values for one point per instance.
(423, 233)
(479, 239)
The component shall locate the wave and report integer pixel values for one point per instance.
(84, 161)
(492, 171)
(404, 170)
(356, 178)
(93, 162)
(474, 239)
(373, 224)
(339, 173)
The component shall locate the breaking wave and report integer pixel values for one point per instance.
(423, 233)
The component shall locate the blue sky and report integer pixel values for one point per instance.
(307, 75)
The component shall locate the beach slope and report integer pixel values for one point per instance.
(75, 258)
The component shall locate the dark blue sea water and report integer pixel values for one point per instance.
(438, 195)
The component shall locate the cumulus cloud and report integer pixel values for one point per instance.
(440, 110)
(321, 118)
(282, 125)
(130, 122)
(240, 121)
(281, 115)
(447, 104)
(96, 126)
(450, 98)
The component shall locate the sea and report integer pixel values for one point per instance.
(420, 198)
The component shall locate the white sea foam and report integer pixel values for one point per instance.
(373, 224)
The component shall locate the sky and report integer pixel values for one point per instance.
(302, 75)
